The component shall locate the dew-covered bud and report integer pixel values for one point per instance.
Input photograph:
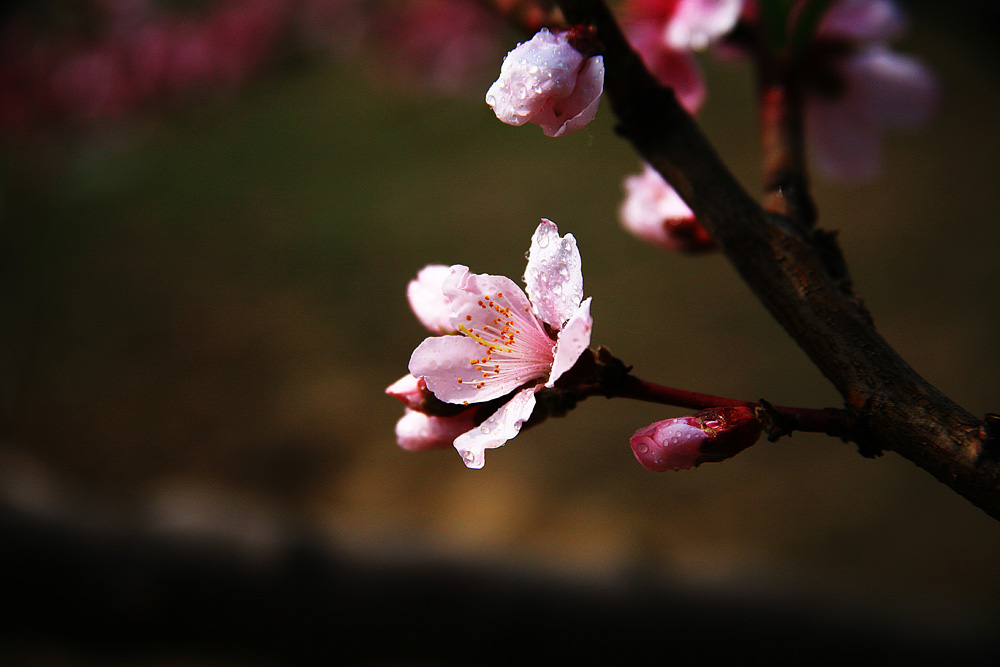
(683, 443)
(547, 81)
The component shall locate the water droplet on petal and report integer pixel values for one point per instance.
(543, 241)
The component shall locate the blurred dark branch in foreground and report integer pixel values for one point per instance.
(799, 275)
(94, 592)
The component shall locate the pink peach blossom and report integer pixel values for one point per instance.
(548, 82)
(510, 344)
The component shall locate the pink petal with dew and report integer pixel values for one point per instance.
(501, 426)
(561, 117)
(862, 21)
(573, 340)
(443, 363)
(417, 432)
(543, 68)
(554, 275)
(695, 23)
(427, 301)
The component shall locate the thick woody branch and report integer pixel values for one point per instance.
(791, 272)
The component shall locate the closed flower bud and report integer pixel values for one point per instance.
(683, 443)
(548, 82)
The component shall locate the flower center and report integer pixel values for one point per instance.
(516, 348)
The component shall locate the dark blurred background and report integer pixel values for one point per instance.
(202, 301)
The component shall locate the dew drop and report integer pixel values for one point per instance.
(543, 241)
(490, 100)
(642, 449)
(520, 91)
(485, 428)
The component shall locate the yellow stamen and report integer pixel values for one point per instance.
(479, 339)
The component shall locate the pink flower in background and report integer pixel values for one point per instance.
(666, 32)
(442, 45)
(547, 81)
(654, 212)
(510, 344)
(683, 443)
(874, 89)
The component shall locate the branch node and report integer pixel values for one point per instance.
(989, 433)
(774, 423)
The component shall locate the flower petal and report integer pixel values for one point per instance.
(427, 300)
(697, 22)
(572, 341)
(554, 275)
(443, 362)
(561, 117)
(501, 426)
(407, 390)
(417, 432)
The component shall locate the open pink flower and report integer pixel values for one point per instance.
(548, 82)
(877, 90)
(509, 343)
(667, 32)
(654, 212)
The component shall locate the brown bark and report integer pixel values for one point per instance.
(798, 275)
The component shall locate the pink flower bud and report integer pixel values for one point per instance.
(683, 443)
(654, 212)
(409, 390)
(547, 81)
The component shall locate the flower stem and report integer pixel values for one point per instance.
(784, 419)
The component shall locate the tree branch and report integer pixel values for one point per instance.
(791, 273)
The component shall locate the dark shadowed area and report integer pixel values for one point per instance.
(202, 303)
